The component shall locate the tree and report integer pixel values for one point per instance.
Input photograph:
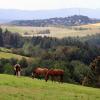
(1, 67)
(93, 78)
(1, 37)
(80, 71)
(8, 69)
(13, 61)
(23, 62)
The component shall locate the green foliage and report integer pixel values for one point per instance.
(1, 67)
(13, 61)
(80, 71)
(60, 64)
(23, 62)
(8, 68)
(94, 77)
(27, 48)
(1, 37)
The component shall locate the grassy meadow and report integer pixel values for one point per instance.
(24, 88)
(10, 55)
(59, 32)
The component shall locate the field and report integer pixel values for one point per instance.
(58, 32)
(10, 55)
(24, 88)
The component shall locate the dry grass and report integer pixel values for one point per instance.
(58, 32)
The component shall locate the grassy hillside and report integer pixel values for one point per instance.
(59, 32)
(10, 55)
(23, 88)
(5, 49)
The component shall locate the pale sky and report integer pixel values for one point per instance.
(48, 4)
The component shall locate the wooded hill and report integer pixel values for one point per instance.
(66, 21)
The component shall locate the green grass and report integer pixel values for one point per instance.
(24, 88)
(10, 55)
(5, 49)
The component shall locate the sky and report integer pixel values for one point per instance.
(48, 4)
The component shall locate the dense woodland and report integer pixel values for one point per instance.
(74, 55)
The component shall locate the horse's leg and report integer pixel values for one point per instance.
(55, 78)
(38, 76)
(61, 78)
(16, 73)
(58, 78)
(35, 75)
(32, 75)
(52, 78)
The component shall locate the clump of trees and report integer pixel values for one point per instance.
(93, 78)
(8, 39)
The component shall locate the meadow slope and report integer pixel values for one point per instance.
(10, 55)
(24, 88)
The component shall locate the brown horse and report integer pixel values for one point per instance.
(54, 73)
(39, 72)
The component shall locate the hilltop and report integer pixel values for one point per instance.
(24, 88)
(57, 21)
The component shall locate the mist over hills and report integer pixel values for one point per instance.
(12, 14)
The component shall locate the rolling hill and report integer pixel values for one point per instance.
(24, 88)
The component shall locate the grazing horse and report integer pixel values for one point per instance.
(54, 73)
(39, 72)
(17, 70)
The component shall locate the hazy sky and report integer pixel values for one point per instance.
(48, 4)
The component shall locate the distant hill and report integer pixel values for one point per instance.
(64, 21)
(14, 14)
